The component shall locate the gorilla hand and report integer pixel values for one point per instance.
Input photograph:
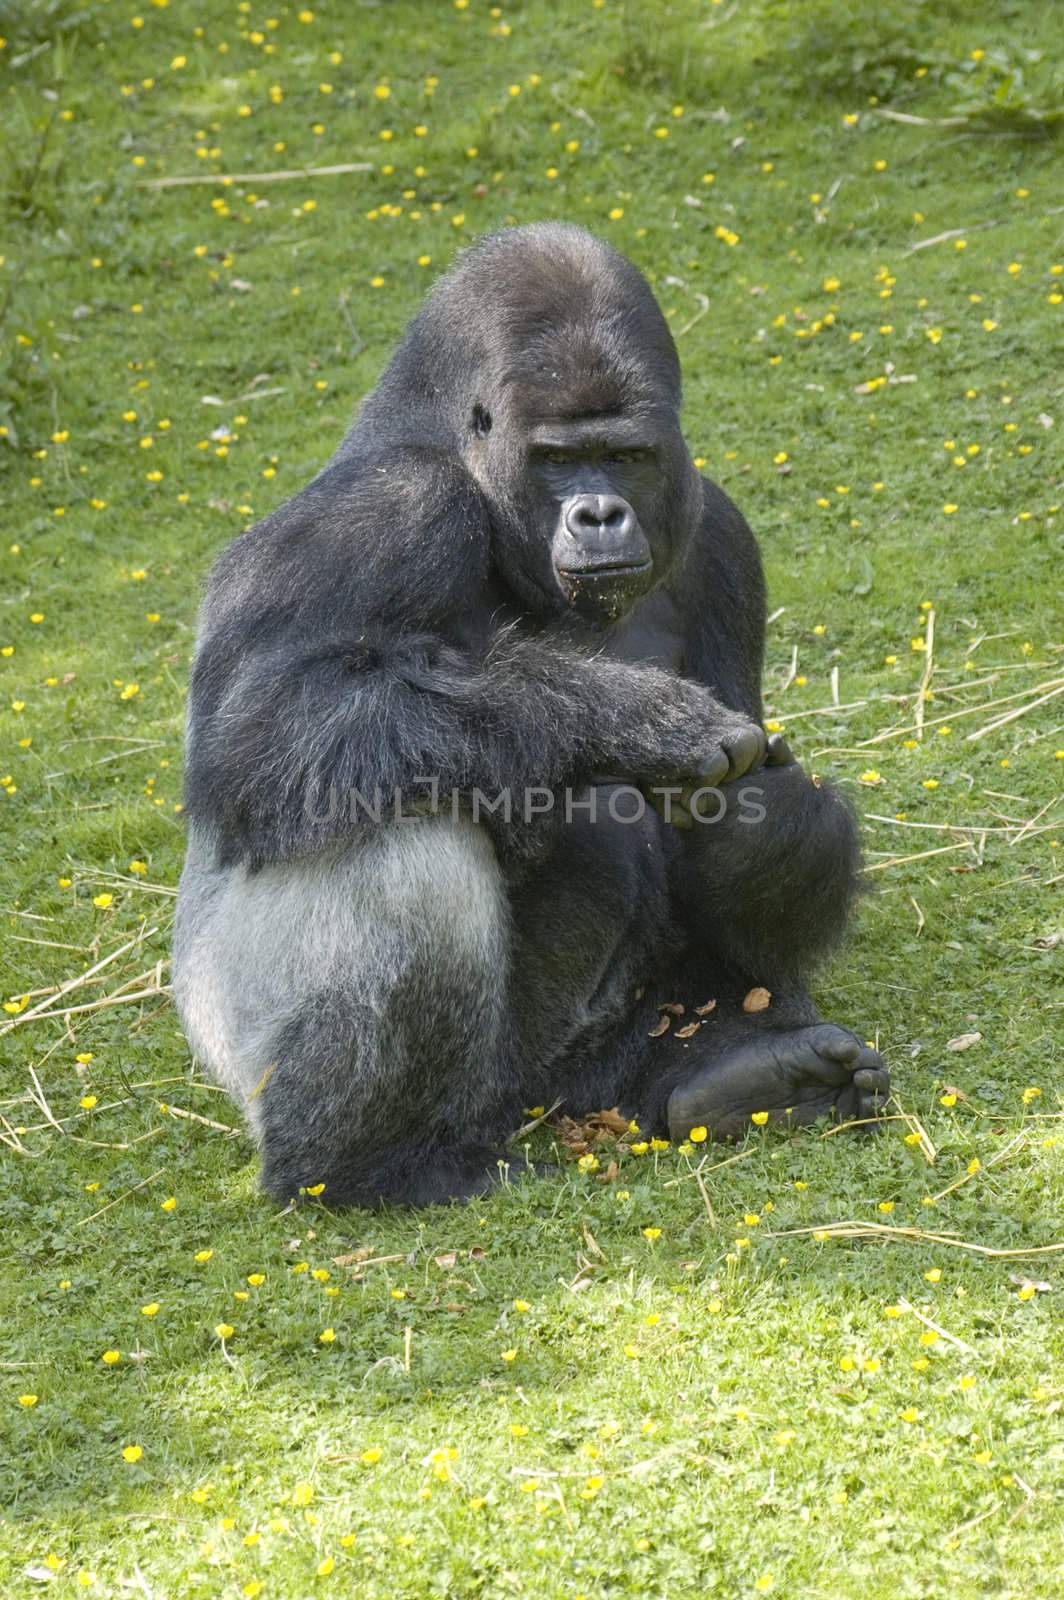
(735, 747)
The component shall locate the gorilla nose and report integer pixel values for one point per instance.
(598, 516)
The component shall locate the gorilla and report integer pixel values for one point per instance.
(481, 811)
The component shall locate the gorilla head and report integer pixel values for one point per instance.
(543, 361)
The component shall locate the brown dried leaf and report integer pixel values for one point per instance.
(963, 1041)
(673, 1007)
(351, 1260)
(448, 1258)
(757, 1000)
(572, 1134)
(662, 1027)
(610, 1173)
(609, 1122)
(703, 1011)
(686, 1033)
(477, 1252)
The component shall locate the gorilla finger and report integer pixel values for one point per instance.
(745, 750)
(708, 801)
(778, 752)
(873, 1080)
(681, 818)
(715, 770)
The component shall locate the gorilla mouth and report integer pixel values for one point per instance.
(607, 569)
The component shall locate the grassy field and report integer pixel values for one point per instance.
(687, 1380)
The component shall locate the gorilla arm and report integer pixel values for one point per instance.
(297, 731)
(295, 704)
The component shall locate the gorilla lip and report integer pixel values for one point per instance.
(608, 569)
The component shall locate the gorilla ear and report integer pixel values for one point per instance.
(480, 421)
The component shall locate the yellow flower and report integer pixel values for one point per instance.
(132, 1452)
(203, 1255)
(652, 1233)
(151, 1309)
(522, 1305)
(169, 1204)
(326, 1566)
(759, 1118)
(508, 1355)
(327, 1336)
(102, 901)
(27, 1400)
(698, 1135)
(224, 1330)
(371, 1457)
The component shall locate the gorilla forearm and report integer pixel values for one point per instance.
(772, 894)
(274, 761)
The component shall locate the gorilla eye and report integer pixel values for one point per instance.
(637, 453)
(481, 421)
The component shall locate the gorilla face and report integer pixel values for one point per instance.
(589, 513)
(596, 486)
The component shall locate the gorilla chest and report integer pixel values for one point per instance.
(652, 632)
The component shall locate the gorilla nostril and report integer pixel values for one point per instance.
(598, 513)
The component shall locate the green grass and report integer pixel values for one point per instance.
(719, 1409)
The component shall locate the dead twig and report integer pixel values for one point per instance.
(921, 855)
(76, 983)
(880, 1230)
(936, 1327)
(1020, 711)
(282, 175)
(143, 1184)
(925, 676)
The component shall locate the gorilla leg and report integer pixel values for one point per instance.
(785, 1062)
(355, 1004)
(763, 891)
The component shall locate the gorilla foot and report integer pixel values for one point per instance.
(421, 1177)
(795, 1077)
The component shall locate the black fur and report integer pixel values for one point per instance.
(406, 616)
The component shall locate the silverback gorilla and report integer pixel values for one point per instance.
(424, 888)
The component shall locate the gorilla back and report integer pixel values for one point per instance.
(460, 711)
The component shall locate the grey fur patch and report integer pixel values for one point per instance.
(392, 911)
